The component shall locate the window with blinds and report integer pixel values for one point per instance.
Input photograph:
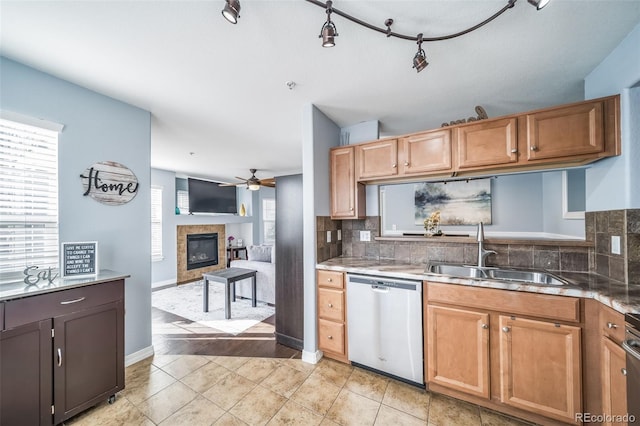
(182, 201)
(28, 199)
(269, 220)
(156, 223)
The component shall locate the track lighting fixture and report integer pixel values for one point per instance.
(420, 60)
(328, 31)
(231, 11)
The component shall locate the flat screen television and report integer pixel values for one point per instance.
(210, 197)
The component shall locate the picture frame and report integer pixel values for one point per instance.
(79, 259)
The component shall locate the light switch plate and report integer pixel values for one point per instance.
(615, 244)
(328, 236)
(365, 235)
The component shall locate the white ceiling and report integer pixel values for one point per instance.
(219, 90)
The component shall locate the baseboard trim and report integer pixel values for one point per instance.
(292, 342)
(138, 356)
(311, 357)
(163, 284)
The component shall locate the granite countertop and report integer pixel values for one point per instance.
(20, 290)
(611, 293)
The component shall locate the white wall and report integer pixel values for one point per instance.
(97, 128)
(612, 183)
(318, 135)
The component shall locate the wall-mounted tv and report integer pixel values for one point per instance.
(210, 197)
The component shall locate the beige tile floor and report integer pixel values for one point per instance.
(229, 390)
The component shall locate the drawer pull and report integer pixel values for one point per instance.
(59, 357)
(623, 371)
(330, 337)
(329, 279)
(514, 151)
(330, 305)
(69, 302)
(612, 325)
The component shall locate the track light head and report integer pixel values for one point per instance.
(231, 11)
(328, 31)
(420, 58)
(539, 4)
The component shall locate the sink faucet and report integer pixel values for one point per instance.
(482, 253)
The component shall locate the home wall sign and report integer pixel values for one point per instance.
(110, 183)
(79, 259)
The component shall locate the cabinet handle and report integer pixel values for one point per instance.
(406, 163)
(330, 305)
(514, 151)
(329, 279)
(68, 302)
(485, 326)
(351, 209)
(506, 329)
(612, 325)
(330, 337)
(534, 148)
(59, 357)
(623, 371)
(394, 165)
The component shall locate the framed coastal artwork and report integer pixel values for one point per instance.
(459, 202)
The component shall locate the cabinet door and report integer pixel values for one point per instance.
(377, 159)
(347, 196)
(458, 349)
(486, 144)
(540, 367)
(88, 349)
(565, 132)
(25, 374)
(426, 152)
(614, 381)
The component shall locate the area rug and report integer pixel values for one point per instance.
(186, 301)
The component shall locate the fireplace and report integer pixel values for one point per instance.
(202, 250)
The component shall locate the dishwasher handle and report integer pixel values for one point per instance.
(380, 288)
(632, 347)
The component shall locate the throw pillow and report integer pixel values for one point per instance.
(259, 253)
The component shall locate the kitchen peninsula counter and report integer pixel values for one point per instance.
(609, 292)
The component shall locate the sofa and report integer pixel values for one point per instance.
(260, 258)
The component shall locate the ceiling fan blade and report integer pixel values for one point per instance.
(229, 184)
(241, 178)
(268, 184)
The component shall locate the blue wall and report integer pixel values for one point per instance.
(97, 128)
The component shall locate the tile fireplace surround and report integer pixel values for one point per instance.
(185, 275)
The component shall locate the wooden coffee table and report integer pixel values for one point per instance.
(228, 277)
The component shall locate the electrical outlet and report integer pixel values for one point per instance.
(394, 227)
(339, 235)
(615, 244)
(365, 235)
(328, 236)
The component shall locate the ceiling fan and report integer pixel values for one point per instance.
(253, 183)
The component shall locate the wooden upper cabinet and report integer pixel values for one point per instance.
(540, 366)
(458, 349)
(425, 153)
(565, 132)
(347, 196)
(377, 159)
(486, 144)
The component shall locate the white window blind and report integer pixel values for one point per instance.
(182, 201)
(156, 223)
(269, 220)
(28, 199)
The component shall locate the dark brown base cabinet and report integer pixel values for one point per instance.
(61, 353)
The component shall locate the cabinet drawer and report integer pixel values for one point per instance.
(331, 304)
(514, 302)
(612, 324)
(330, 279)
(51, 305)
(331, 336)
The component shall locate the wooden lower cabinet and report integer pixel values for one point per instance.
(458, 350)
(61, 353)
(332, 315)
(540, 367)
(507, 361)
(614, 381)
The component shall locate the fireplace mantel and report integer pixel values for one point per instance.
(184, 275)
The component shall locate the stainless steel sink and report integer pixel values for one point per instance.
(503, 274)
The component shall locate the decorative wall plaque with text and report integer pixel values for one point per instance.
(109, 183)
(79, 259)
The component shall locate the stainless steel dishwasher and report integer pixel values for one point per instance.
(384, 323)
